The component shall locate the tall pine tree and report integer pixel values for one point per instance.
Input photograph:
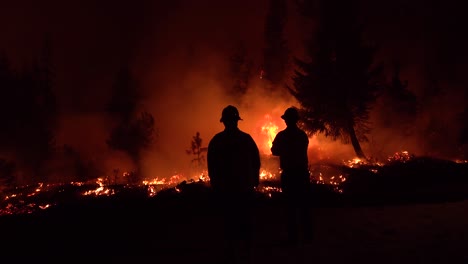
(337, 86)
(240, 67)
(399, 103)
(276, 54)
(133, 132)
(29, 111)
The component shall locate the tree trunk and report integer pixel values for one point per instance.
(355, 143)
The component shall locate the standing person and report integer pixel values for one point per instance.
(291, 146)
(234, 169)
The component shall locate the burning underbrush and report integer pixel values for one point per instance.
(403, 177)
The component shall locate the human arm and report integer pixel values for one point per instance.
(256, 163)
(211, 162)
(276, 148)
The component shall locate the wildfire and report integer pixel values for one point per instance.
(43, 207)
(269, 190)
(402, 156)
(28, 199)
(352, 163)
(269, 129)
(266, 175)
(38, 189)
(101, 190)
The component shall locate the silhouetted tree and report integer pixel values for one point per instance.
(463, 117)
(404, 101)
(241, 70)
(400, 104)
(337, 87)
(28, 112)
(132, 133)
(8, 98)
(82, 168)
(436, 126)
(7, 174)
(197, 150)
(463, 133)
(133, 136)
(124, 96)
(37, 142)
(275, 54)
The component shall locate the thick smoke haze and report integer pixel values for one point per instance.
(179, 51)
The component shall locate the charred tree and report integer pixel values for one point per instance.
(131, 133)
(339, 82)
(276, 53)
(124, 96)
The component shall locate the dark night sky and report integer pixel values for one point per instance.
(178, 47)
(92, 38)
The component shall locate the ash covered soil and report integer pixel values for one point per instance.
(423, 221)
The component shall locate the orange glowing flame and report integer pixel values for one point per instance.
(43, 207)
(101, 190)
(266, 175)
(269, 129)
(354, 162)
(402, 156)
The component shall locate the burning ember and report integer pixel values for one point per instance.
(23, 200)
(29, 199)
(15, 203)
(266, 175)
(269, 190)
(402, 156)
(101, 190)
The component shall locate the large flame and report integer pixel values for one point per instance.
(269, 130)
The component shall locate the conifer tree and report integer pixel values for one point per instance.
(275, 56)
(338, 83)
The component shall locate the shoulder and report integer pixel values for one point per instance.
(280, 135)
(304, 135)
(216, 138)
(245, 136)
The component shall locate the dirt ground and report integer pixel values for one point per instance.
(413, 233)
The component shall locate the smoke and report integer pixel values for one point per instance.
(180, 53)
(190, 99)
(183, 66)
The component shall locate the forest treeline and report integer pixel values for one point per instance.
(337, 86)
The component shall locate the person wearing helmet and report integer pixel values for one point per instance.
(233, 157)
(291, 146)
(234, 170)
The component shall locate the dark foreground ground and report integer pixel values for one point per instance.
(408, 212)
(188, 231)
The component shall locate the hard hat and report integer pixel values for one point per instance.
(230, 113)
(291, 114)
